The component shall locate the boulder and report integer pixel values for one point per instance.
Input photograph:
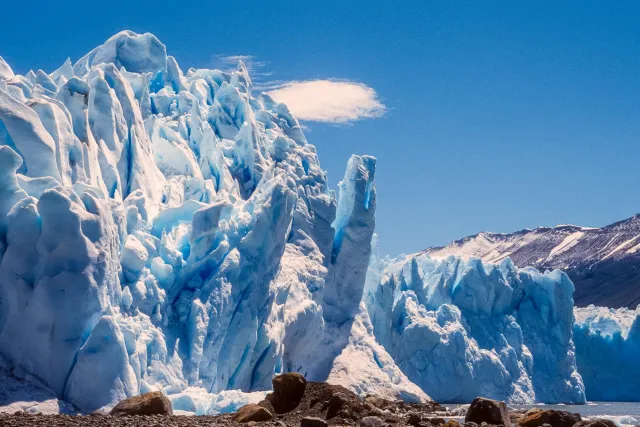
(489, 411)
(551, 417)
(288, 390)
(414, 419)
(336, 402)
(516, 414)
(154, 403)
(252, 412)
(598, 422)
(313, 422)
(371, 422)
(378, 401)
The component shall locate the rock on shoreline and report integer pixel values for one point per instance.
(295, 402)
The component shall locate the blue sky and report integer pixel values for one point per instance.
(493, 115)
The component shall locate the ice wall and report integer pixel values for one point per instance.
(608, 349)
(464, 329)
(171, 230)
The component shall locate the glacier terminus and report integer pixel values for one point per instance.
(174, 231)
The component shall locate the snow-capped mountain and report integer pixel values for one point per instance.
(603, 263)
(173, 230)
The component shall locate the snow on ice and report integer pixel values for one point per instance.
(162, 229)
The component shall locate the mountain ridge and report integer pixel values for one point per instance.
(603, 263)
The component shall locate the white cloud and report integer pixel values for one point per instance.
(328, 100)
(230, 62)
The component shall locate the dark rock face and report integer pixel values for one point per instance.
(313, 422)
(154, 403)
(488, 411)
(340, 407)
(288, 390)
(252, 412)
(553, 418)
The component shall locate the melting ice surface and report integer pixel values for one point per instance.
(170, 230)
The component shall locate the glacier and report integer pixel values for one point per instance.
(170, 230)
(174, 231)
(608, 349)
(461, 329)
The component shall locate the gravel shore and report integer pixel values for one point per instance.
(23, 419)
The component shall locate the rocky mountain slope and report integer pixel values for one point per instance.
(603, 263)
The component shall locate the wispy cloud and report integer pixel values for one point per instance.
(230, 62)
(321, 100)
(331, 101)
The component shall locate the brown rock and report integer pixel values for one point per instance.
(595, 423)
(288, 390)
(313, 422)
(413, 419)
(372, 410)
(252, 412)
(335, 403)
(371, 422)
(551, 417)
(489, 411)
(154, 403)
(378, 401)
(452, 423)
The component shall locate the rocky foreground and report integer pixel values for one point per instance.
(296, 402)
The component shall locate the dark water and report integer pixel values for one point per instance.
(622, 413)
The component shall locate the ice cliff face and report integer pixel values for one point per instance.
(171, 230)
(460, 329)
(168, 230)
(608, 348)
